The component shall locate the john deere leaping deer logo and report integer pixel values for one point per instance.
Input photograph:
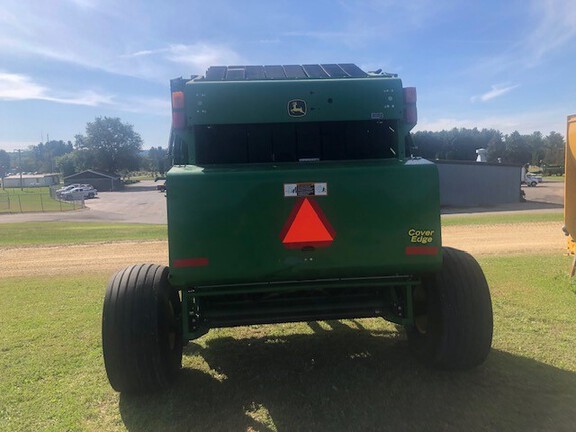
(297, 108)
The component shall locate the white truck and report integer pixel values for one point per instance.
(529, 178)
(79, 193)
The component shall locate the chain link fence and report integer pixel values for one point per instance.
(30, 201)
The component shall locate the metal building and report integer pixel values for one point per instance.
(474, 184)
(101, 181)
(30, 180)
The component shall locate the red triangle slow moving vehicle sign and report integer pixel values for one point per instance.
(307, 226)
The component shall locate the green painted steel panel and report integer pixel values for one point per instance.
(225, 223)
(267, 101)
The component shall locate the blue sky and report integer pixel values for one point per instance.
(509, 65)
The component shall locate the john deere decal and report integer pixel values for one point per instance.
(297, 108)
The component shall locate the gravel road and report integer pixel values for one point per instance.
(107, 257)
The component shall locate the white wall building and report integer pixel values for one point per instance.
(30, 180)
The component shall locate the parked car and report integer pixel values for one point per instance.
(67, 188)
(79, 193)
(532, 179)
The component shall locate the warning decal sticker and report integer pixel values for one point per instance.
(305, 189)
(307, 226)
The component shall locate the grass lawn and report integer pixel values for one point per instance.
(28, 200)
(501, 218)
(26, 191)
(56, 233)
(47, 233)
(351, 375)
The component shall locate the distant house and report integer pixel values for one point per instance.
(101, 181)
(30, 180)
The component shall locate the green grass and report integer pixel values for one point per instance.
(351, 375)
(501, 218)
(46, 233)
(50, 367)
(55, 233)
(31, 200)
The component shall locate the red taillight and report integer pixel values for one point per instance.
(177, 100)
(410, 111)
(178, 120)
(178, 115)
(411, 114)
(410, 95)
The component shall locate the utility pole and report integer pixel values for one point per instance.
(50, 154)
(20, 168)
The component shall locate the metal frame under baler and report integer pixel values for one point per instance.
(292, 198)
(296, 301)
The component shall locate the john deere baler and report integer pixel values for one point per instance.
(293, 197)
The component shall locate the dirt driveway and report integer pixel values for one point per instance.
(108, 257)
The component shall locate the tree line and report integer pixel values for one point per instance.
(514, 148)
(111, 146)
(108, 146)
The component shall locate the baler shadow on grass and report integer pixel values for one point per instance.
(345, 377)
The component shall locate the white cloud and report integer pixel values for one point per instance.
(89, 4)
(554, 27)
(196, 57)
(496, 91)
(155, 106)
(525, 122)
(21, 87)
(202, 55)
(548, 28)
(88, 98)
(15, 87)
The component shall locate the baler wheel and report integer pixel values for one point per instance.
(141, 329)
(453, 314)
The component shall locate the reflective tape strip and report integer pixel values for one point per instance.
(421, 250)
(191, 262)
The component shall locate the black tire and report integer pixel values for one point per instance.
(453, 315)
(90, 195)
(141, 329)
(533, 184)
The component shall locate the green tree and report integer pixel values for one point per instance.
(554, 148)
(22, 161)
(536, 144)
(110, 145)
(159, 160)
(517, 149)
(76, 161)
(496, 148)
(455, 144)
(45, 154)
